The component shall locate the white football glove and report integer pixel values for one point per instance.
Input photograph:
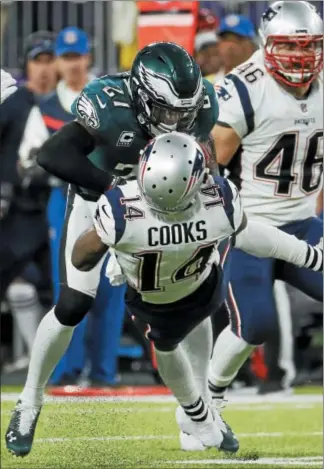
(114, 271)
(8, 85)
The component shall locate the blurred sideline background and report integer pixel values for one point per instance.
(115, 31)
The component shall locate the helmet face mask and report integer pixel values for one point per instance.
(294, 60)
(167, 119)
(167, 89)
(292, 35)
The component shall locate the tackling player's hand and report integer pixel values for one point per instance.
(314, 257)
(8, 85)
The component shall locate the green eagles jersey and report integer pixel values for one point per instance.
(105, 108)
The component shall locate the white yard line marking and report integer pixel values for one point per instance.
(233, 399)
(167, 437)
(76, 410)
(303, 461)
(163, 409)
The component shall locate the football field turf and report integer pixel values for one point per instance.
(103, 433)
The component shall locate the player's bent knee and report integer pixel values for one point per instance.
(165, 345)
(72, 306)
(259, 332)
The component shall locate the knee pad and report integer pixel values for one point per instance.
(21, 292)
(72, 306)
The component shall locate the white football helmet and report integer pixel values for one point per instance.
(172, 169)
(292, 35)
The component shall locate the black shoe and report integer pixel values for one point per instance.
(273, 387)
(21, 430)
(230, 443)
(68, 380)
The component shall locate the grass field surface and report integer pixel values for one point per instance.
(118, 433)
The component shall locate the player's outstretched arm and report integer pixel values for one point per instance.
(88, 250)
(262, 240)
(226, 143)
(65, 156)
(8, 85)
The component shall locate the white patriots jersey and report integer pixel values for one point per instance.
(279, 165)
(168, 260)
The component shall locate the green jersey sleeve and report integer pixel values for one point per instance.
(208, 114)
(99, 104)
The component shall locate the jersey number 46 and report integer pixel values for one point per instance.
(277, 165)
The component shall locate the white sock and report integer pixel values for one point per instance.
(229, 354)
(176, 372)
(51, 341)
(26, 310)
(199, 346)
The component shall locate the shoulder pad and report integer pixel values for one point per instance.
(101, 103)
(252, 72)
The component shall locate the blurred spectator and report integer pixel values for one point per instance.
(72, 49)
(24, 258)
(237, 40)
(206, 46)
(73, 60)
(207, 55)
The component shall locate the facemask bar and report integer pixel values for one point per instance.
(294, 60)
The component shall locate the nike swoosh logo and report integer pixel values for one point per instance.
(100, 103)
(105, 210)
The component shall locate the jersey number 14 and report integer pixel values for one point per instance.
(149, 268)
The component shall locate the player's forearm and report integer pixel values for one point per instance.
(65, 156)
(262, 240)
(88, 250)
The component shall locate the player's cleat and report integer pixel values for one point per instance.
(21, 430)
(206, 434)
(230, 443)
(189, 442)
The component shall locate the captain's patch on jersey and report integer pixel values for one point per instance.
(87, 111)
(126, 139)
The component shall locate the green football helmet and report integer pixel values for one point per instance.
(167, 88)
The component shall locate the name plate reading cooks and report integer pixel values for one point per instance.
(179, 233)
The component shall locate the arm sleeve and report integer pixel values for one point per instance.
(235, 107)
(65, 155)
(110, 218)
(107, 227)
(262, 240)
(104, 221)
(231, 200)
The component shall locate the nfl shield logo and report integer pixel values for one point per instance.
(303, 107)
